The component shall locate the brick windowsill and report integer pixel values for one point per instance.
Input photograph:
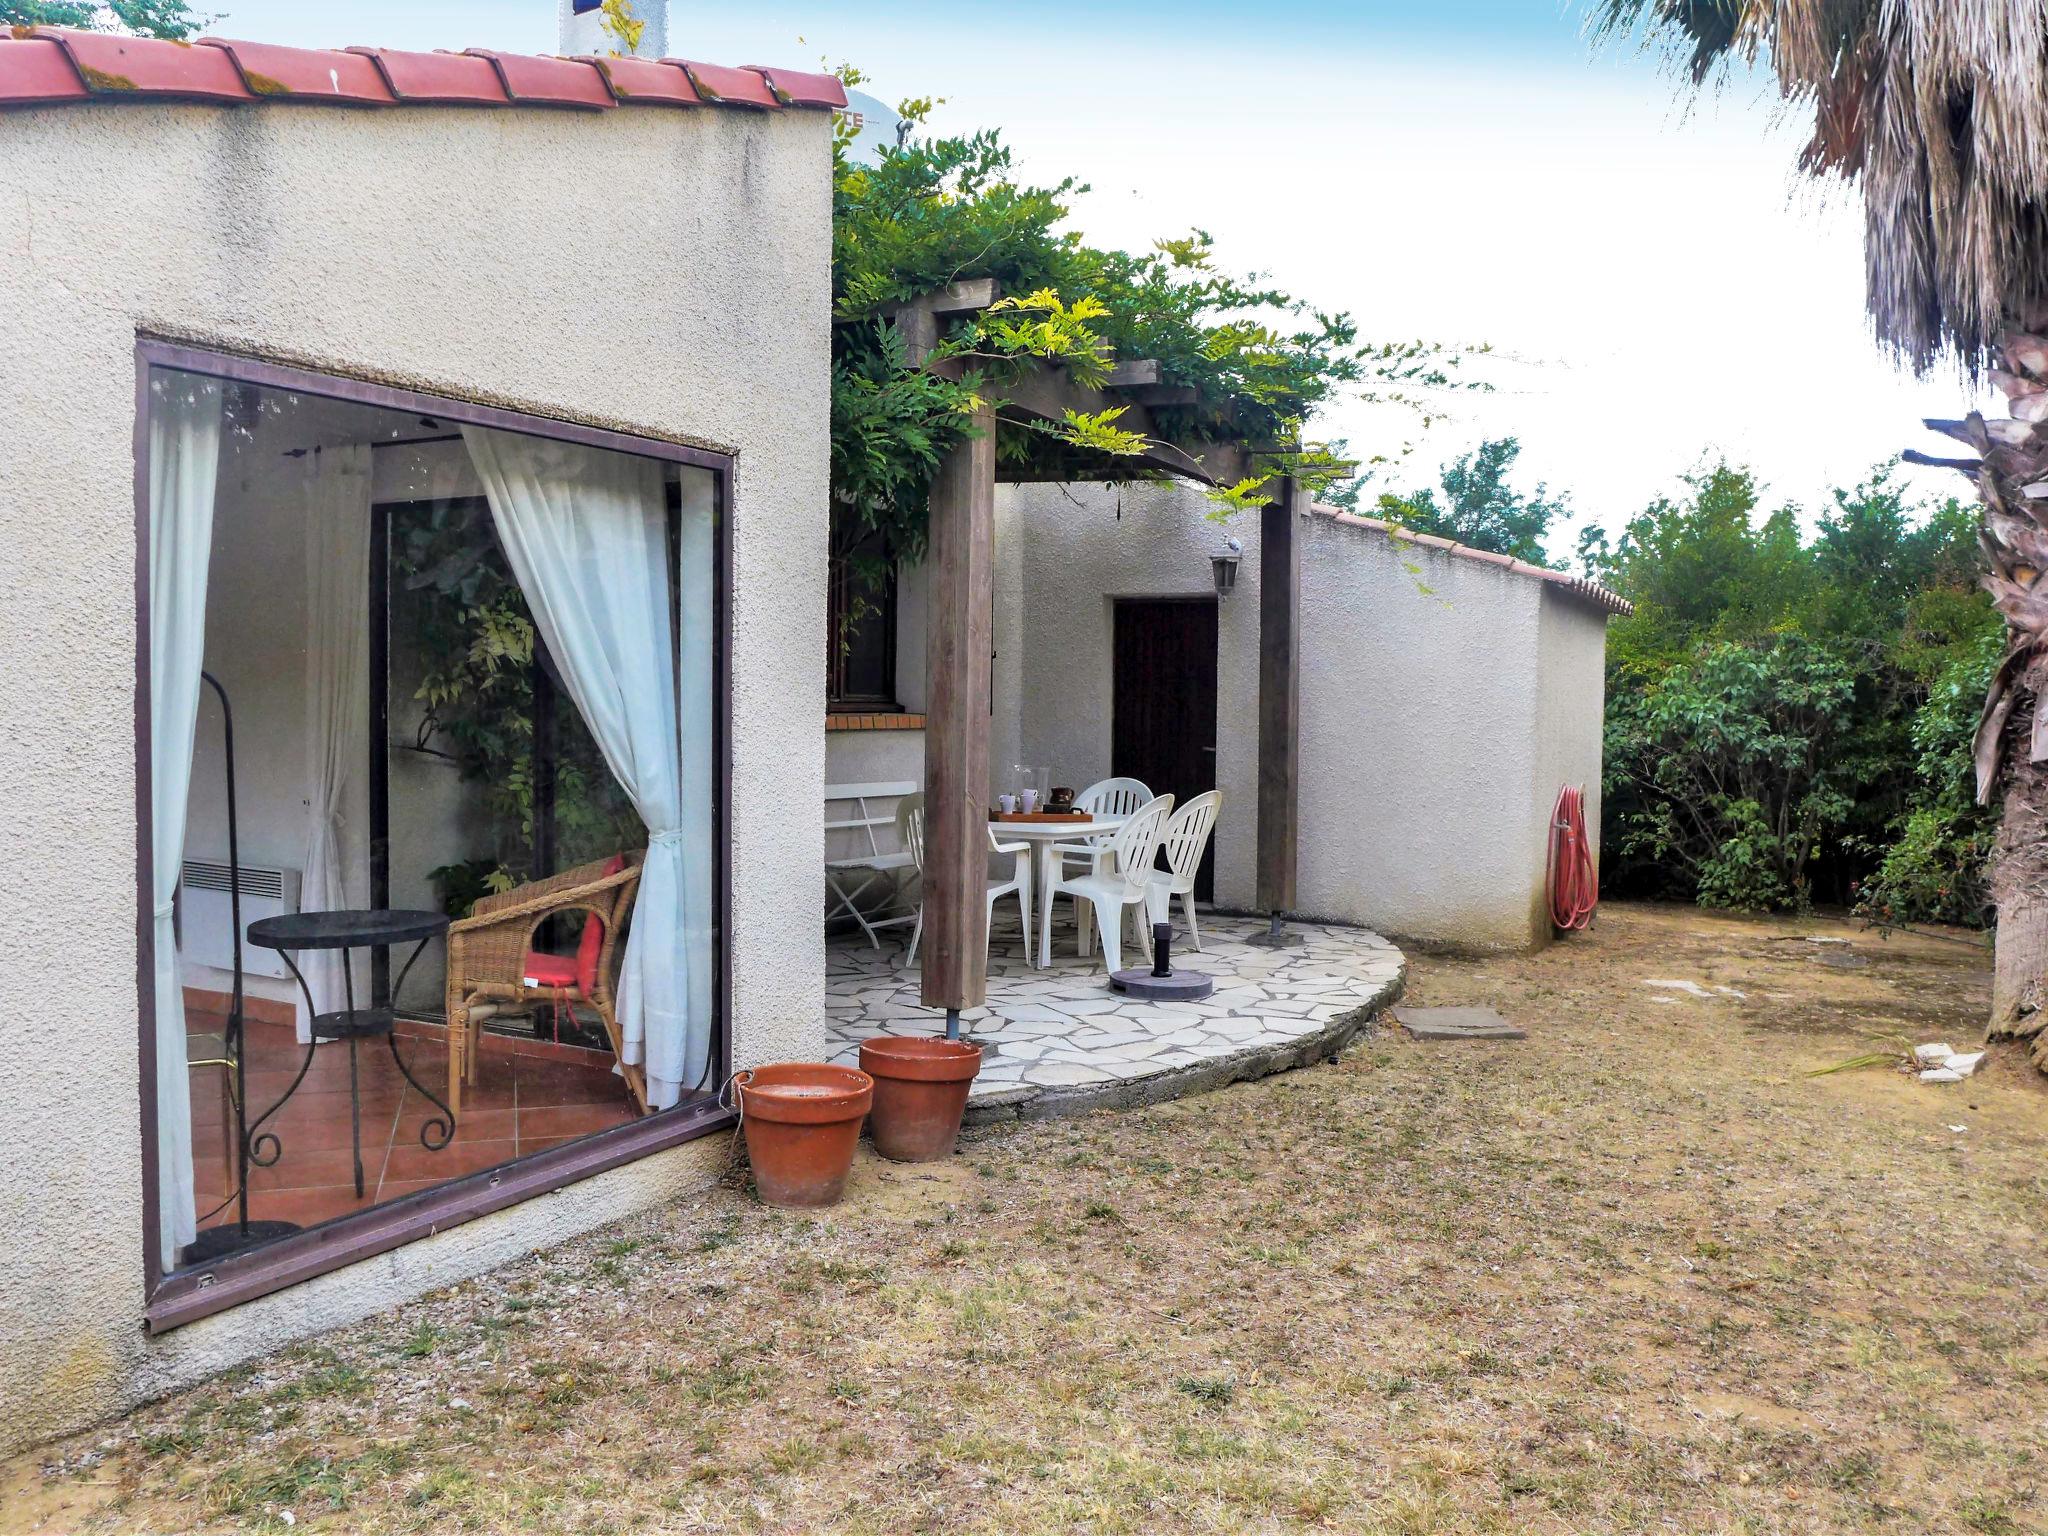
(838, 721)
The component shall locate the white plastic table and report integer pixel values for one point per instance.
(1041, 835)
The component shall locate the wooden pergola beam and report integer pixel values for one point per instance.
(1131, 375)
(1045, 392)
(919, 318)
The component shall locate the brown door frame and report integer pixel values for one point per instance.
(183, 1296)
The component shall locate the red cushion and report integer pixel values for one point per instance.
(593, 939)
(545, 970)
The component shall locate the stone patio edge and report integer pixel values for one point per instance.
(1034, 1102)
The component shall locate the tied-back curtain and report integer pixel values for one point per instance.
(337, 514)
(184, 464)
(586, 533)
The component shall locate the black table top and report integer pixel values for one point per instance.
(345, 930)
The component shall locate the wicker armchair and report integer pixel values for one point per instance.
(488, 960)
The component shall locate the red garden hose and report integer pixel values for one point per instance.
(1574, 881)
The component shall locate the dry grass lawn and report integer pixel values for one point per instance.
(1636, 1273)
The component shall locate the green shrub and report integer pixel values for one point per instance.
(1790, 715)
(1732, 769)
(1935, 869)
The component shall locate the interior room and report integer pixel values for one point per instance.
(408, 626)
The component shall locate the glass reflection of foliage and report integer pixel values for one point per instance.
(481, 672)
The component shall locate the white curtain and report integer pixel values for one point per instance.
(697, 577)
(337, 514)
(184, 463)
(585, 531)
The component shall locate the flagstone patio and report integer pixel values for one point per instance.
(1061, 1042)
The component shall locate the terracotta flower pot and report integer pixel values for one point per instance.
(802, 1122)
(920, 1093)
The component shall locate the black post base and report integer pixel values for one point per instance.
(1147, 985)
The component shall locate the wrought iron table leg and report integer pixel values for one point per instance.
(258, 1154)
(355, 1116)
(445, 1121)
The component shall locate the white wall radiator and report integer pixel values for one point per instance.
(206, 934)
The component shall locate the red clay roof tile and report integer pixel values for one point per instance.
(111, 65)
(306, 74)
(440, 79)
(548, 82)
(45, 65)
(728, 87)
(797, 88)
(647, 82)
(33, 73)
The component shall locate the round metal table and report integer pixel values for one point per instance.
(345, 931)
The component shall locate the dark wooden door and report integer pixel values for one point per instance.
(1164, 701)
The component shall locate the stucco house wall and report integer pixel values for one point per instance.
(683, 293)
(1444, 698)
(1418, 749)
(1084, 547)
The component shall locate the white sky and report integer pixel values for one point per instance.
(1660, 284)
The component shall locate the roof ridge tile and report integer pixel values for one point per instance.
(112, 64)
(438, 78)
(727, 86)
(803, 88)
(55, 66)
(546, 81)
(645, 82)
(272, 70)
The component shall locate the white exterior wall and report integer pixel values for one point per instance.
(1571, 714)
(1418, 748)
(682, 293)
(1441, 705)
(1084, 547)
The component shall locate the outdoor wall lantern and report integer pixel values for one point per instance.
(1225, 566)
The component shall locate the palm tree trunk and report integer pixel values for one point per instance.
(2012, 739)
(2019, 884)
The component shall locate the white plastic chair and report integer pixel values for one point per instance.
(1106, 797)
(1185, 840)
(1112, 890)
(910, 827)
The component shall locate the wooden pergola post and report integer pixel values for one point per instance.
(960, 573)
(1279, 705)
(959, 638)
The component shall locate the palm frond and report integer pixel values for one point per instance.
(1936, 111)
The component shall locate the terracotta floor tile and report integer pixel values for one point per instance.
(549, 1050)
(478, 1096)
(410, 1161)
(493, 1072)
(534, 1144)
(306, 1169)
(544, 1083)
(471, 1125)
(307, 1107)
(330, 1133)
(570, 1120)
